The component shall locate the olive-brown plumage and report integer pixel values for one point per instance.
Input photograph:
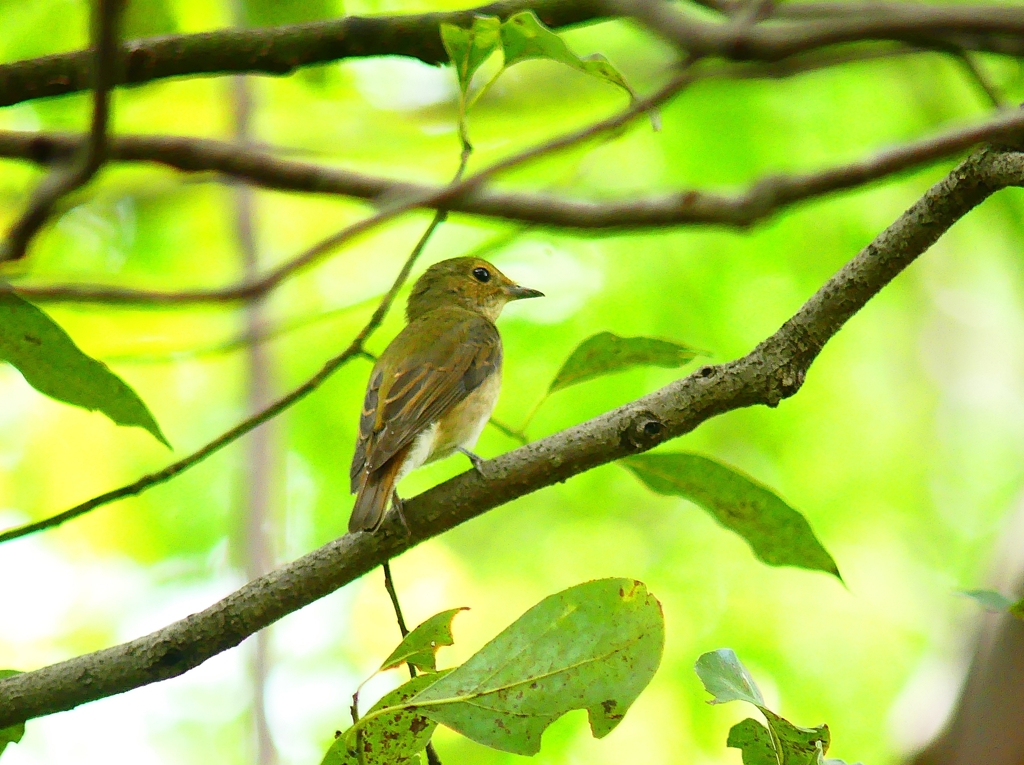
(433, 389)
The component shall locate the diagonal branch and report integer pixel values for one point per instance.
(771, 372)
(689, 207)
(92, 155)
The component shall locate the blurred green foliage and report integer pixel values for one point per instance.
(903, 449)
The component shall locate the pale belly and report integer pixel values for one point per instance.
(460, 426)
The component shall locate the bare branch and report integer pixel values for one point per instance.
(281, 50)
(689, 207)
(915, 24)
(275, 50)
(771, 372)
(411, 198)
(63, 181)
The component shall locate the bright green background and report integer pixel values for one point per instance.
(904, 448)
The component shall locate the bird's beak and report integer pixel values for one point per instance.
(515, 292)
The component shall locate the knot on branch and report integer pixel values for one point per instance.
(783, 383)
(644, 431)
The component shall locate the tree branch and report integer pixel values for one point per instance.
(771, 372)
(275, 50)
(690, 207)
(281, 50)
(92, 155)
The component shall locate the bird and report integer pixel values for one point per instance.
(432, 390)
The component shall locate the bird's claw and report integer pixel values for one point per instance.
(476, 459)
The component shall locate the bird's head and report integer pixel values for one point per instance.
(470, 283)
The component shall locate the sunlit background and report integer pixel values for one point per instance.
(904, 449)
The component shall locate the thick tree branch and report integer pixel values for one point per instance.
(690, 207)
(281, 50)
(91, 156)
(770, 373)
(277, 50)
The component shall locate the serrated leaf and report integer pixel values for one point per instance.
(469, 48)
(391, 738)
(725, 678)
(594, 646)
(524, 36)
(778, 534)
(605, 353)
(51, 363)
(419, 647)
(12, 734)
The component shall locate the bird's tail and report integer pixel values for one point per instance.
(375, 492)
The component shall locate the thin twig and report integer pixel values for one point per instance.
(442, 198)
(770, 373)
(389, 585)
(758, 202)
(63, 181)
(980, 78)
(355, 348)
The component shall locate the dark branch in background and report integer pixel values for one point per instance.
(762, 200)
(278, 50)
(62, 181)
(281, 50)
(770, 373)
(438, 197)
(921, 25)
(355, 348)
(389, 585)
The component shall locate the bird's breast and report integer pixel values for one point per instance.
(461, 425)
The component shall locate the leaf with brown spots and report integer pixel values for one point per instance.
(387, 737)
(778, 534)
(594, 646)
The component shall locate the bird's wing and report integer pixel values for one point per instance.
(416, 381)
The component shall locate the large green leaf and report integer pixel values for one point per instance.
(605, 353)
(12, 734)
(594, 646)
(419, 647)
(469, 48)
(52, 364)
(778, 534)
(390, 738)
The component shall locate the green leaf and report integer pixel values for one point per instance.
(391, 738)
(419, 647)
(51, 363)
(790, 744)
(996, 602)
(725, 678)
(524, 36)
(594, 646)
(754, 740)
(605, 353)
(778, 534)
(12, 734)
(469, 48)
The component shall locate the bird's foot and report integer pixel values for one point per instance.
(476, 459)
(399, 506)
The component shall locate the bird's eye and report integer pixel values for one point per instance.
(481, 274)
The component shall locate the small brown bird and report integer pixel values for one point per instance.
(433, 389)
